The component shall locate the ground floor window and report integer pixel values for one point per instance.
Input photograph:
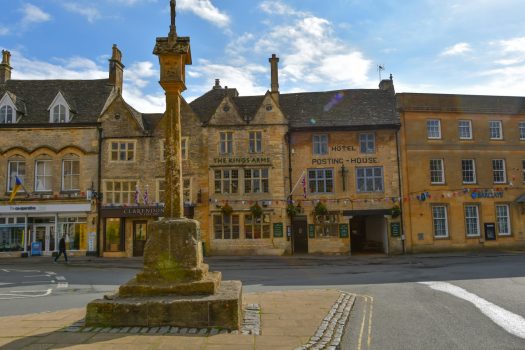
(472, 220)
(12, 234)
(257, 227)
(75, 231)
(226, 226)
(326, 225)
(439, 220)
(503, 219)
(113, 237)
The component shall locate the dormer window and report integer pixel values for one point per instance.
(6, 115)
(59, 110)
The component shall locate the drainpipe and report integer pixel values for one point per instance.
(287, 138)
(400, 193)
(99, 184)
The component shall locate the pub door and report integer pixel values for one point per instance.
(300, 235)
(140, 229)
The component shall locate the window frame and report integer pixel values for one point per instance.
(222, 225)
(226, 142)
(132, 183)
(367, 142)
(500, 128)
(504, 170)
(255, 141)
(365, 178)
(224, 179)
(263, 181)
(324, 223)
(48, 164)
(435, 206)
(158, 191)
(320, 144)
(71, 158)
(470, 137)
(521, 128)
(184, 147)
(477, 218)
(264, 225)
(126, 142)
(317, 180)
(508, 221)
(474, 181)
(442, 171)
(18, 161)
(428, 126)
(3, 116)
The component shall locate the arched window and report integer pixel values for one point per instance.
(59, 114)
(6, 114)
(71, 173)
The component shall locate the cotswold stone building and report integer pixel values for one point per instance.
(463, 170)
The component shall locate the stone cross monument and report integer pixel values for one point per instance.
(175, 288)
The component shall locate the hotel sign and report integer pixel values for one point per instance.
(241, 160)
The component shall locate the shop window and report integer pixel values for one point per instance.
(465, 129)
(320, 144)
(122, 151)
(499, 174)
(472, 220)
(326, 225)
(255, 141)
(43, 175)
(119, 192)
(495, 130)
(16, 167)
(75, 231)
(321, 180)
(468, 171)
(434, 129)
(113, 234)
(71, 174)
(226, 181)
(522, 130)
(369, 179)
(257, 227)
(503, 219)
(437, 172)
(226, 226)
(256, 181)
(439, 221)
(226, 142)
(12, 234)
(367, 143)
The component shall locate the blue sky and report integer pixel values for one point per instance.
(448, 46)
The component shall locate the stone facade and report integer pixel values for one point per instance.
(468, 205)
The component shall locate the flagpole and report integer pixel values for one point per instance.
(297, 183)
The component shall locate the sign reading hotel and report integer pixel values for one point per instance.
(340, 160)
(241, 160)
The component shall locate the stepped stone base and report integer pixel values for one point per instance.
(222, 309)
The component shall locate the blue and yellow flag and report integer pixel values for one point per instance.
(16, 187)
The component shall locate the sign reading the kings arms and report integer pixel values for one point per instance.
(241, 160)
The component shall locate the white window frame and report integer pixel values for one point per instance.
(6, 101)
(59, 101)
(162, 145)
(507, 221)
(320, 180)
(445, 217)
(226, 227)
(367, 139)
(132, 187)
(226, 183)
(523, 169)
(120, 142)
(522, 130)
(48, 176)
(70, 159)
(499, 128)
(261, 182)
(462, 127)
(494, 170)
(362, 175)
(468, 217)
(430, 132)
(255, 141)
(320, 144)
(226, 142)
(10, 185)
(473, 162)
(441, 171)
(159, 198)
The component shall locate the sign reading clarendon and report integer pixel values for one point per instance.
(129, 212)
(241, 160)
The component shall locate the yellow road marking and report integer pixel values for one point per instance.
(362, 322)
(370, 322)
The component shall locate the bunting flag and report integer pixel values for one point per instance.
(303, 181)
(146, 196)
(16, 187)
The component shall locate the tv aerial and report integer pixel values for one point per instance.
(380, 68)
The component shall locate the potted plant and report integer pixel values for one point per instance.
(226, 209)
(256, 210)
(396, 211)
(320, 209)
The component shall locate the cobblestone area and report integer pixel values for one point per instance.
(251, 326)
(330, 332)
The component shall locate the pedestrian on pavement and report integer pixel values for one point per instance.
(61, 248)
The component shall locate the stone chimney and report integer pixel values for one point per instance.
(5, 67)
(116, 69)
(387, 84)
(217, 85)
(274, 60)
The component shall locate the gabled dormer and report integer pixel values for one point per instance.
(60, 110)
(7, 110)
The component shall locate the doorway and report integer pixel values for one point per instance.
(300, 235)
(45, 234)
(368, 234)
(140, 229)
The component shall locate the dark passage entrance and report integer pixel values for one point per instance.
(368, 234)
(300, 235)
(139, 237)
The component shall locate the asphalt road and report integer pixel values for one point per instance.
(410, 302)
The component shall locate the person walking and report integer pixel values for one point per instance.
(61, 249)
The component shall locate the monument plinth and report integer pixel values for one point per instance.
(175, 288)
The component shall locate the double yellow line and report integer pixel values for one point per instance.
(368, 310)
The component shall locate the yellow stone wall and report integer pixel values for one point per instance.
(417, 151)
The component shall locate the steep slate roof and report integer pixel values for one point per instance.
(341, 108)
(460, 103)
(248, 105)
(151, 120)
(206, 105)
(87, 97)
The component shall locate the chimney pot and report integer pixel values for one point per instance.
(116, 68)
(5, 67)
(274, 60)
(217, 84)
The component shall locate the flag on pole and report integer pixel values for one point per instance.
(137, 194)
(16, 187)
(304, 184)
(146, 196)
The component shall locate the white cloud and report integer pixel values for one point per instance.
(458, 49)
(33, 14)
(277, 7)
(131, 2)
(138, 73)
(205, 10)
(4, 30)
(91, 13)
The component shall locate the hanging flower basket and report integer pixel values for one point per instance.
(256, 210)
(396, 211)
(292, 210)
(320, 209)
(226, 209)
